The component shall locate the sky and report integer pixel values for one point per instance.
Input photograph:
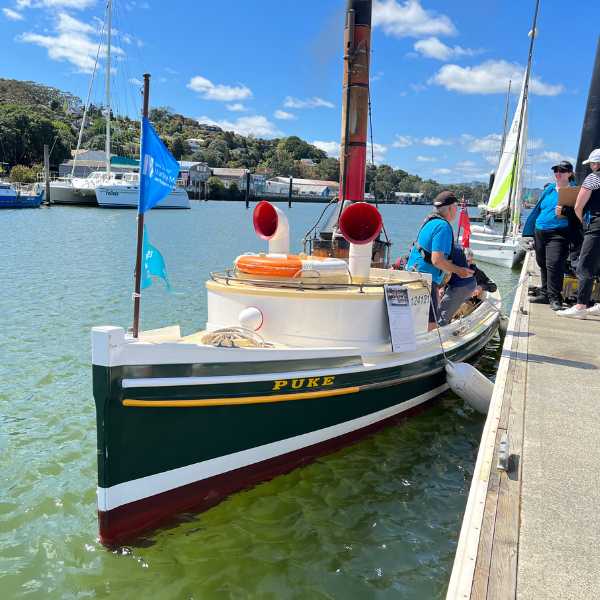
(272, 68)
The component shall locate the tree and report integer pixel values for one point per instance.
(216, 189)
(22, 174)
(179, 147)
(24, 130)
(233, 191)
(328, 169)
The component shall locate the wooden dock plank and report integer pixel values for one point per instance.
(471, 574)
(496, 567)
(504, 562)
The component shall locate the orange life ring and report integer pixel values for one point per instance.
(274, 266)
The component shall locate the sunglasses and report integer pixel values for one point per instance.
(561, 170)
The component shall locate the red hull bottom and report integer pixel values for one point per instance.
(124, 523)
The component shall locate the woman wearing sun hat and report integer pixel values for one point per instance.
(551, 231)
(587, 209)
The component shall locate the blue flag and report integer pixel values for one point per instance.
(158, 169)
(153, 264)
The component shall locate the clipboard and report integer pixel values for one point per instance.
(568, 195)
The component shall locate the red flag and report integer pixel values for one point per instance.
(465, 224)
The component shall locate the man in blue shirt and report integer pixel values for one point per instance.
(433, 247)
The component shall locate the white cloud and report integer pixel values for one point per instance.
(409, 19)
(68, 24)
(73, 43)
(484, 145)
(236, 107)
(222, 93)
(332, 148)
(72, 4)
(551, 156)
(12, 15)
(282, 115)
(432, 48)
(535, 144)
(136, 81)
(314, 102)
(378, 154)
(402, 141)
(490, 77)
(442, 171)
(422, 158)
(257, 126)
(435, 141)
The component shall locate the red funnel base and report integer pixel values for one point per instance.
(265, 220)
(360, 223)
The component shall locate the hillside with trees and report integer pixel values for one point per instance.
(32, 115)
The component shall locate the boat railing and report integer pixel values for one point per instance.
(230, 276)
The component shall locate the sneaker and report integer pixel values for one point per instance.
(556, 305)
(573, 313)
(534, 290)
(540, 299)
(594, 311)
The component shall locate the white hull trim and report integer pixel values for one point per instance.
(145, 487)
(128, 197)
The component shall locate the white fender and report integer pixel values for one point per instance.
(471, 385)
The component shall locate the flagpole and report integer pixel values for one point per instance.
(140, 225)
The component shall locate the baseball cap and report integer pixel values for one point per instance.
(445, 199)
(594, 157)
(563, 164)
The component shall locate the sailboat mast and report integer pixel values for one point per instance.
(518, 149)
(109, 28)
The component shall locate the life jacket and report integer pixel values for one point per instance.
(425, 253)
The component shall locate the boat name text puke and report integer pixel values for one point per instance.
(305, 382)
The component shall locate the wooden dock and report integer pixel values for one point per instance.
(532, 531)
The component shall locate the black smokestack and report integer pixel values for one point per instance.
(362, 10)
(590, 132)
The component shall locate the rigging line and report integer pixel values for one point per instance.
(523, 105)
(332, 201)
(87, 102)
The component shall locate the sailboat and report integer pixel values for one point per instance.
(107, 189)
(489, 243)
(283, 371)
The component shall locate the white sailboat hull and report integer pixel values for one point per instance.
(66, 193)
(128, 196)
(493, 250)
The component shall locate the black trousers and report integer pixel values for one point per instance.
(589, 261)
(551, 250)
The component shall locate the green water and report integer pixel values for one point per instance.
(379, 519)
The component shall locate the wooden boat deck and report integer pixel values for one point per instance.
(531, 532)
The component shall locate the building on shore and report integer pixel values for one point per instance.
(410, 198)
(88, 161)
(302, 187)
(194, 144)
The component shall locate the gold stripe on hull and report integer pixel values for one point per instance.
(235, 401)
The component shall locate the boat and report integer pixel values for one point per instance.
(123, 192)
(502, 245)
(73, 190)
(13, 197)
(282, 372)
(80, 191)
